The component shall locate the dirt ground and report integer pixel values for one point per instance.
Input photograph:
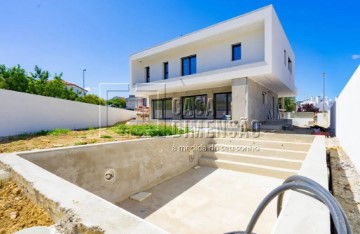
(18, 212)
(83, 137)
(345, 183)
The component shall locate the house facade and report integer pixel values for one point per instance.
(77, 89)
(237, 68)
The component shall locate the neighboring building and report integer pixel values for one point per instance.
(133, 103)
(318, 103)
(77, 89)
(239, 67)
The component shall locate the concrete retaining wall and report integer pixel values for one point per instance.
(347, 118)
(301, 213)
(138, 164)
(24, 113)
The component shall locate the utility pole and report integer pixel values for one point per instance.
(84, 78)
(324, 74)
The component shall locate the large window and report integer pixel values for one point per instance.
(222, 105)
(188, 65)
(236, 52)
(161, 108)
(194, 107)
(166, 70)
(147, 74)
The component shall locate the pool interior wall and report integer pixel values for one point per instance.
(138, 164)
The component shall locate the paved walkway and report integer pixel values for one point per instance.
(207, 200)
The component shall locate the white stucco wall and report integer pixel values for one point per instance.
(279, 66)
(24, 113)
(211, 54)
(347, 118)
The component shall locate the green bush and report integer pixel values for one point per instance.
(148, 130)
(58, 131)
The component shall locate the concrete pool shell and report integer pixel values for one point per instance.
(218, 197)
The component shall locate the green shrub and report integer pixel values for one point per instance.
(148, 130)
(59, 131)
(106, 136)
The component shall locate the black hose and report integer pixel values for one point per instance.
(318, 186)
(336, 213)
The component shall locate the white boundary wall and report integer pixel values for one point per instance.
(347, 118)
(24, 113)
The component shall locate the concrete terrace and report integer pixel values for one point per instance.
(207, 200)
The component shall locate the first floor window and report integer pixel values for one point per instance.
(290, 65)
(236, 52)
(166, 70)
(188, 65)
(147, 74)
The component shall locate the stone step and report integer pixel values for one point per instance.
(247, 168)
(252, 151)
(261, 143)
(278, 121)
(271, 127)
(256, 160)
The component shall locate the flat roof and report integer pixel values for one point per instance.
(214, 29)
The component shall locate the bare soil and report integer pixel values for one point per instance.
(345, 183)
(83, 137)
(18, 212)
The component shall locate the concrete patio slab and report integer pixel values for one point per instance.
(207, 200)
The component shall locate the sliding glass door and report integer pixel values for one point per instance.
(194, 107)
(222, 105)
(162, 109)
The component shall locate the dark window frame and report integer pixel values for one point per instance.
(147, 74)
(233, 50)
(162, 107)
(290, 65)
(194, 96)
(191, 72)
(166, 70)
(285, 57)
(227, 100)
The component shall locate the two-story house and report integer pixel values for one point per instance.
(238, 68)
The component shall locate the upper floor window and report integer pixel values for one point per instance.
(285, 57)
(236, 52)
(188, 65)
(290, 66)
(166, 70)
(147, 74)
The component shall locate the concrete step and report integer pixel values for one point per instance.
(256, 160)
(283, 145)
(280, 137)
(278, 121)
(247, 168)
(271, 127)
(264, 152)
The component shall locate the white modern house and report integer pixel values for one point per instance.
(239, 67)
(77, 89)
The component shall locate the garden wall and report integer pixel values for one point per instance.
(347, 118)
(25, 113)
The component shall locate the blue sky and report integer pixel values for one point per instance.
(70, 35)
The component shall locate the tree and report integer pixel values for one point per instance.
(290, 104)
(39, 83)
(308, 107)
(119, 102)
(92, 99)
(13, 78)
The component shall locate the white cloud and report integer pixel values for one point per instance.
(356, 56)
